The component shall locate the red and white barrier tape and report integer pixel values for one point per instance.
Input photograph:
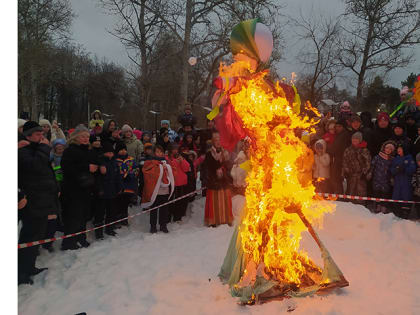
(48, 240)
(350, 197)
(365, 198)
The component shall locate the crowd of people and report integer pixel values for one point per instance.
(72, 177)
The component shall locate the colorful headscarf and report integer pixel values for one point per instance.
(253, 39)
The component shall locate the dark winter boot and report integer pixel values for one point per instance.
(153, 229)
(84, 243)
(36, 271)
(24, 279)
(69, 245)
(48, 247)
(164, 229)
(110, 231)
(99, 234)
(124, 223)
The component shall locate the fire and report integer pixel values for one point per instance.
(271, 230)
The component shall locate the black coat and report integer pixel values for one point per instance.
(212, 181)
(37, 179)
(379, 136)
(78, 181)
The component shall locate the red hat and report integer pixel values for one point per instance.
(383, 116)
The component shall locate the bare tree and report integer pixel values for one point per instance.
(40, 23)
(318, 34)
(378, 35)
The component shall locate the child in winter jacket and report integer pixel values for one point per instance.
(158, 188)
(321, 167)
(180, 167)
(106, 200)
(129, 173)
(381, 174)
(356, 166)
(402, 168)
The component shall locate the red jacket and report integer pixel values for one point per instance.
(179, 169)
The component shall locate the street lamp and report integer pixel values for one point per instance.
(155, 113)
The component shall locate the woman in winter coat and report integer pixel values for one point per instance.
(356, 166)
(96, 118)
(78, 180)
(381, 174)
(180, 167)
(134, 146)
(164, 140)
(51, 132)
(321, 167)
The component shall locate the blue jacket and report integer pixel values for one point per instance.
(403, 168)
(381, 171)
(112, 181)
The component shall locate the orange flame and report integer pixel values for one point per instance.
(270, 233)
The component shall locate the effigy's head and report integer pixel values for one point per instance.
(251, 39)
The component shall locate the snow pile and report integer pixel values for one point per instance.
(176, 273)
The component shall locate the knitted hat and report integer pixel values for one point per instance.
(355, 117)
(345, 107)
(78, 131)
(400, 124)
(107, 147)
(357, 135)
(418, 157)
(94, 138)
(126, 128)
(148, 145)
(341, 122)
(43, 122)
(58, 141)
(30, 127)
(383, 116)
(120, 146)
(165, 122)
(21, 122)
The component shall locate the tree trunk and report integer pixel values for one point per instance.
(34, 94)
(183, 95)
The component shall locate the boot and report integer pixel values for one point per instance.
(124, 223)
(153, 229)
(164, 229)
(24, 279)
(110, 231)
(99, 234)
(84, 243)
(69, 245)
(36, 271)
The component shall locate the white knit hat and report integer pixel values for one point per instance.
(126, 128)
(43, 122)
(21, 122)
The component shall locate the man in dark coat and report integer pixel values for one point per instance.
(36, 177)
(381, 133)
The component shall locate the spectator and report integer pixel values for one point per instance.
(96, 119)
(186, 129)
(36, 178)
(206, 134)
(191, 181)
(134, 146)
(78, 180)
(382, 132)
(164, 140)
(58, 146)
(400, 137)
(416, 183)
(345, 111)
(381, 174)
(416, 144)
(197, 142)
(329, 135)
(187, 118)
(109, 128)
(129, 173)
(321, 167)
(147, 155)
(51, 132)
(188, 142)
(341, 142)
(21, 122)
(367, 127)
(356, 166)
(172, 134)
(402, 168)
(179, 166)
(355, 124)
(218, 208)
(158, 189)
(96, 131)
(106, 203)
(411, 127)
(146, 137)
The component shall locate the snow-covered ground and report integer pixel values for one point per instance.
(176, 273)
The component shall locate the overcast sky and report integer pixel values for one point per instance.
(91, 25)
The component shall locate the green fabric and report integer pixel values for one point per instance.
(242, 39)
(235, 263)
(58, 173)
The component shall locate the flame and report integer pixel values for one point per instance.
(269, 231)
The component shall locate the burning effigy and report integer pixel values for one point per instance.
(264, 259)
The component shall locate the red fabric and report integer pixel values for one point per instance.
(229, 125)
(329, 138)
(362, 145)
(179, 168)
